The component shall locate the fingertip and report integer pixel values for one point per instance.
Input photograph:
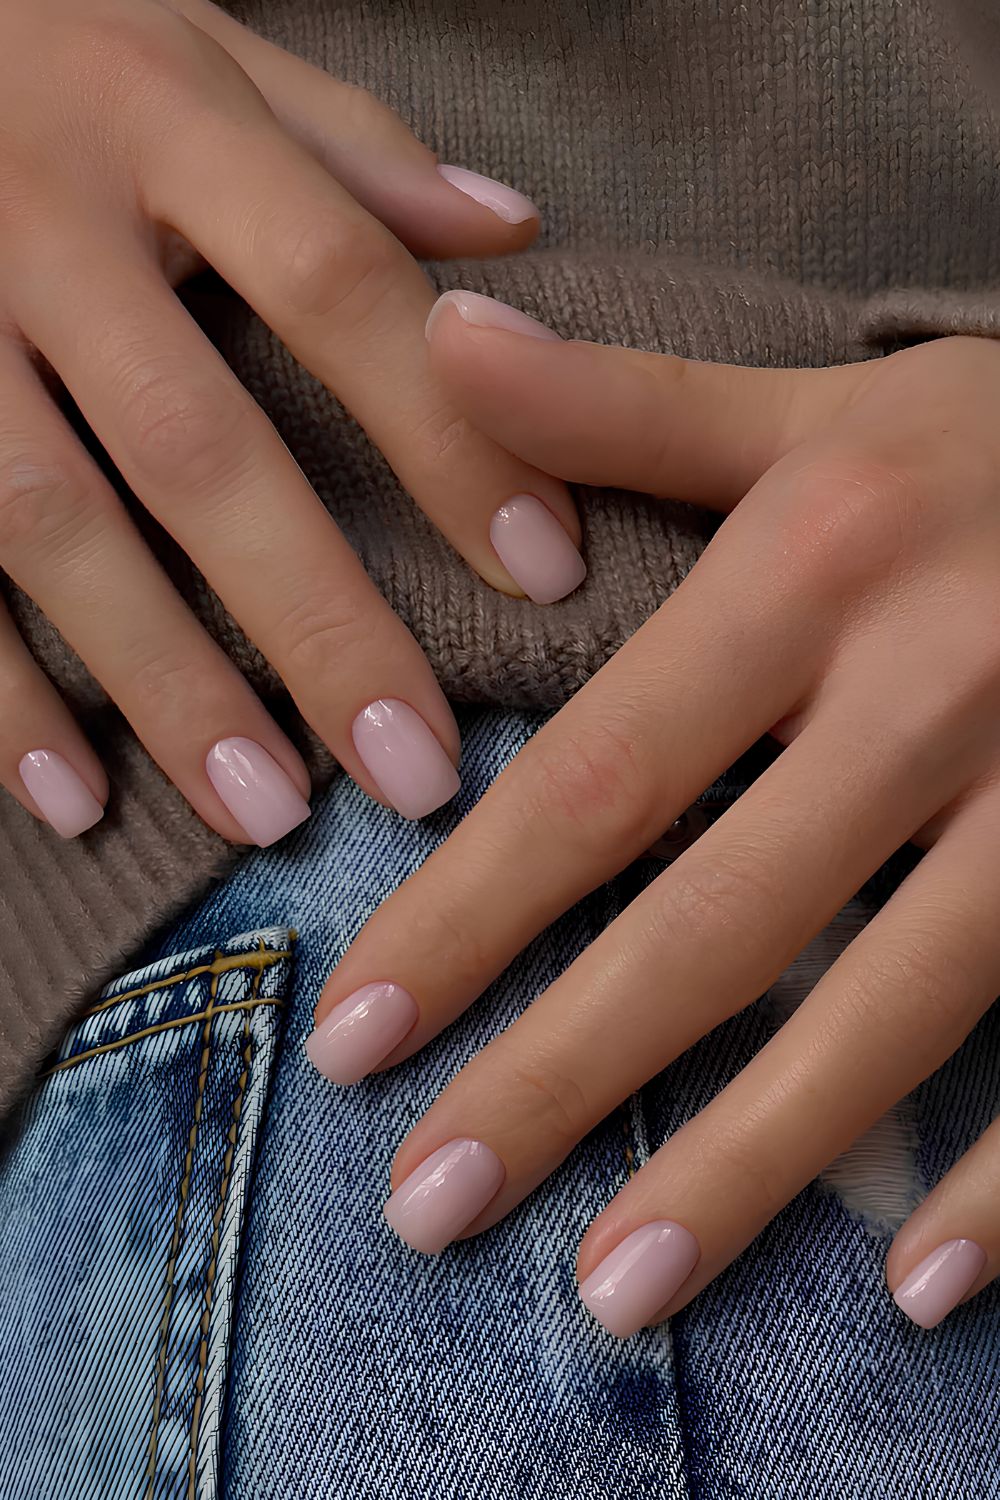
(504, 202)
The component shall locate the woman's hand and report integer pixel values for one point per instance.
(850, 604)
(137, 138)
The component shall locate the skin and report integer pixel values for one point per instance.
(849, 605)
(139, 140)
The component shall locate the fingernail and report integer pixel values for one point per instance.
(641, 1274)
(444, 1195)
(940, 1282)
(506, 203)
(62, 797)
(259, 794)
(536, 550)
(360, 1031)
(404, 757)
(487, 312)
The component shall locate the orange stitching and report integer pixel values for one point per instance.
(175, 1242)
(138, 1036)
(206, 1316)
(221, 964)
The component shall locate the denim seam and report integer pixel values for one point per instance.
(141, 1036)
(175, 1244)
(223, 963)
(227, 1168)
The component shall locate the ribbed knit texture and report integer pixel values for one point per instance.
(792, 183)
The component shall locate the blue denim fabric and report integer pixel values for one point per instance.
(358, 1369)
(122, 1200)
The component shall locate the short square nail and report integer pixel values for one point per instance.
(487, 312)
(404, 757)
(444, 1195)
(508, 204)
(360, 1031)
(536, 550)
(259, 794)
(938, 1284)
(59, 792)
(640, 1275)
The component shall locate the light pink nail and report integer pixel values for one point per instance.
(506, 203)
(536, 550)
(404, 757)
(360, 1031)
(641, 1274)
(487, 312)
(940, 1282)
(444, 1195)
(62, 797)
(259, 794)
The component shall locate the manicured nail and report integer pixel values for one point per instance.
(258, 793)
(940, 1282)
(404, 757)
(536, 550)
(444, 1195)
(360, 1031)
(641, 1274)
(487, 312)
(65, 801)
(511, 206)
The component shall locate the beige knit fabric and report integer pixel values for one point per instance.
(769, 184)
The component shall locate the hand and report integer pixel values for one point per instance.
(135, 139)
(849, 604)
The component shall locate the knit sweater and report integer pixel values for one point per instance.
(781, 184)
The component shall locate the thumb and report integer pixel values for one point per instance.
(607, 416)
(437, 212)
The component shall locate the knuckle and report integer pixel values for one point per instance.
(183, 430)
(171, 691)
(39, 502)
(556, 1105)
(850, 520)
(335, 268)
(314, 638)
(588, 785)
(728, 895)
(759, 1181)
(908, 986)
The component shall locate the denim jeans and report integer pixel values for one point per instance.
(198, 1297)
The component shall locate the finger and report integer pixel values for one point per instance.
(205, 461)
(949, 1249)
(604, 416)
(437, 212)
(350, 303)
(895, 1005)
(724, 921)
(45, 760)
(693, 689)
(67, 541)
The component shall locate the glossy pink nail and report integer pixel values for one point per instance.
(536, 550)
(640, 1275)
(939, 1283)
(62, 797)
(511, 206)
(444, 1195)
(487, 312)
(360, 1031)
(404, 757)
(259, 794)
